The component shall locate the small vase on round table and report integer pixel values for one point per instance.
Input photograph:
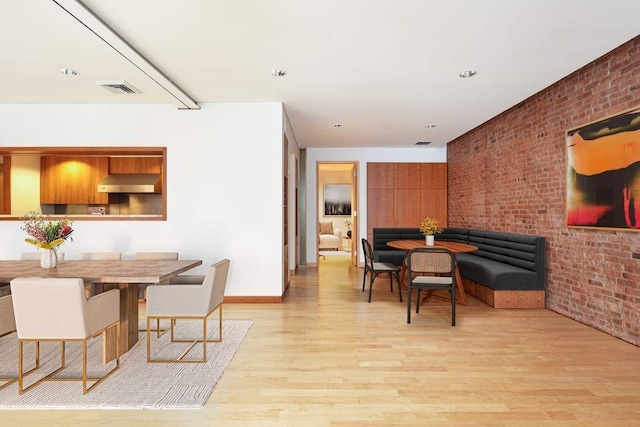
(49, 258)
(429, 240)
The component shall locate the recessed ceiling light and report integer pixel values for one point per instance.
(430, 125)
(278, 73)
(337, 125)
(69, 71)
(468, 73)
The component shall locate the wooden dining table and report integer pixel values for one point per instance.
(455, 247)
(124, 275)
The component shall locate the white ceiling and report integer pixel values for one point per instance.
(382, 68)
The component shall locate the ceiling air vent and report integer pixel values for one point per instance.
(119, 87)
(423, 142)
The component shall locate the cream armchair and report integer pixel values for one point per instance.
(188, 301)
(52, 309)
(329, 237)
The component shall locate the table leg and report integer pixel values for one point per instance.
(128, 321)
(460, 288)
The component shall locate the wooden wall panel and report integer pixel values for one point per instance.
(433, 175)
(406, 208)
(380, 176)
(379, 217)
(407, 175)
(433, 203)
(403, 194)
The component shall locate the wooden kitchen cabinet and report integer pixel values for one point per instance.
(72, 179)
(131, 164)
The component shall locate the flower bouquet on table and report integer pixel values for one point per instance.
(46, 234)
(429, 227)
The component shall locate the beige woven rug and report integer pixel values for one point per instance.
(137, 384)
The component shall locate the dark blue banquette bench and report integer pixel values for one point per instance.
(507, 271)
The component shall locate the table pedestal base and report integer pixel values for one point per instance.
(128, 321)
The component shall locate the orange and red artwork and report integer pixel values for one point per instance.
(603, 173)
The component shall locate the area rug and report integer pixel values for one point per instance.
(137, 384)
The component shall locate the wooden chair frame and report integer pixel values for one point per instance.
(50, 376)
(172, 321)
(370, 267)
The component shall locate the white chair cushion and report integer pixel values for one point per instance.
(58, 309)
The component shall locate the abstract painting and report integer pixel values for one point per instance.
(337, 200)
(603, 173)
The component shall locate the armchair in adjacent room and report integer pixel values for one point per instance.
(329, 237)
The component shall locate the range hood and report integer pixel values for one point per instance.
(131, 183)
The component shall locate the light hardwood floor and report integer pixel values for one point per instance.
(327, 357)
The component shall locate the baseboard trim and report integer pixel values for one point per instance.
(504, 299)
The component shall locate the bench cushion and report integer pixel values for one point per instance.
(392, 256)
(497, 275)
(384, 253)
(454, 234)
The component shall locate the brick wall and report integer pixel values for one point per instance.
(509, 174)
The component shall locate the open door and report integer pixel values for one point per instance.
(342, 174)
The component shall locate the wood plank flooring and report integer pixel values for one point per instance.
(326, 357)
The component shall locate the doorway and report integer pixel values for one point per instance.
(337, 210)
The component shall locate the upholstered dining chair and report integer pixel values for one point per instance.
(96, 288)
(7, 326)
(36, 256)
(374, 269)
(56, 309)
(434, 269)
(188, 301)
(142, 287)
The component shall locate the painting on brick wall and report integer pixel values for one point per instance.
(603, 173)
(337, 199)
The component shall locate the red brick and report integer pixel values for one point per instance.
(509, 175)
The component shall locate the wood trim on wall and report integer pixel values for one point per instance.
(6, 186)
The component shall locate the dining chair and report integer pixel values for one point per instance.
(192, 279)
(142, 287)
(36, 256)
(188, 301)
(434, 269)
(56, 309)
(374, 269)
(96, 288)
(7, 326)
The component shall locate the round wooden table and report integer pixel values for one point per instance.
(455, 247)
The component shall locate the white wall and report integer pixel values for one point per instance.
(224, 182)
(363, 156)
